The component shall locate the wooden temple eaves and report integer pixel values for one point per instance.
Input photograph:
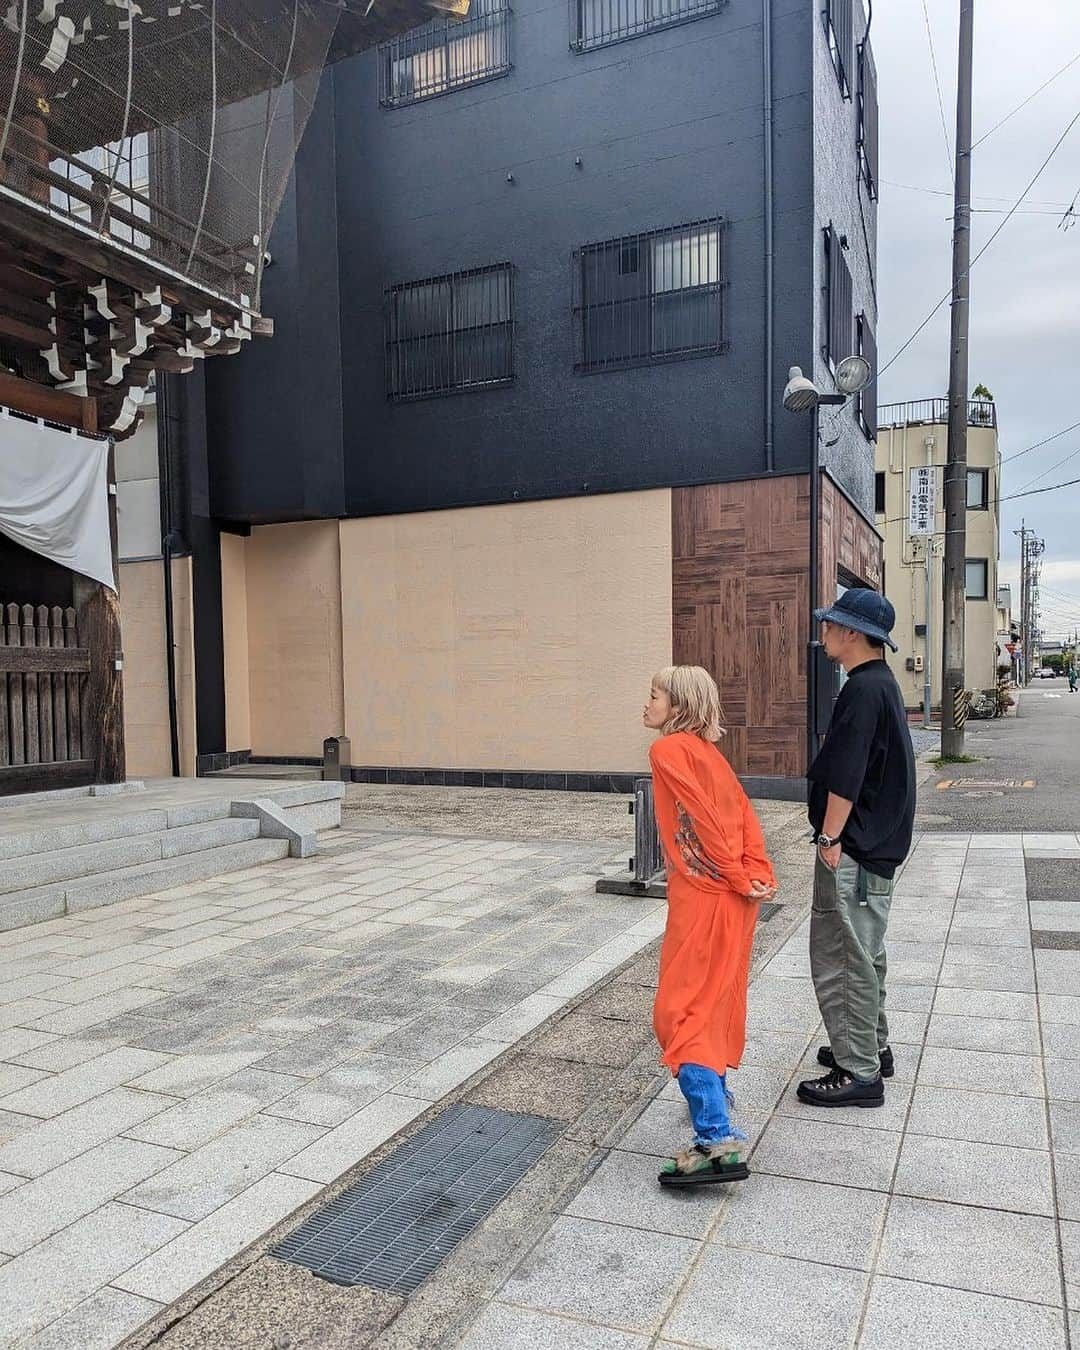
(82, 317)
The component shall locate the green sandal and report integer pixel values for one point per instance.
(707, 1164)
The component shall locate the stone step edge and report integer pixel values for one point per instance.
(19, 909)
(154, 819)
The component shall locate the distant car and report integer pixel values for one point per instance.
(1046, 673)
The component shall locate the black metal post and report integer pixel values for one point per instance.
(812, 638)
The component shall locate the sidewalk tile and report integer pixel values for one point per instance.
(891, 1116)
(905, 1313)
(981, 1117)
(1064, 1127)
(834, 1225)
(906, 1028)
(997, 1176)
(1061, 1008)
(904, 997)
(817, 1149)
(985, 1250)
(624, 1190)
(505, 1328)
(778, 1048)
(202, 1181)
(978, 1071)
(1060, 1042)
(738, 1300)
(518, 1021)
(74, 1086)
(1063, 1078)
(443, 1075)
(49, 1143)
(991, 975)
(339, 1094)
(1070, 1259)
(340, 1148)
(1058, 973)
(202, 1248)
(50, 1279)
(100, 1323)
(194, 1121)
(1006, 1037)
(37, 1209)
(185, 1075)
(605, 1273)
(981, 1003)
(664, 1126)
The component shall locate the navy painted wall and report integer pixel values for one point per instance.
(669, 129)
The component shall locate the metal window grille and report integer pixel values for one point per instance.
(868, 120)
(838, 301)
(867, 400)
(598, 23)
(649, 297)
(446, 54)
(839, 29)
(450, 333)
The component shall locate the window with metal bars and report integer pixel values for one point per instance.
(126, 167)
(838, 301)
(598, 23)
(839, 30)
(648, 297)
(867, 138)
(446, 54)
(450, 333)
(866, 345)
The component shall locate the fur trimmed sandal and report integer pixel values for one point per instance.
(707, 1164)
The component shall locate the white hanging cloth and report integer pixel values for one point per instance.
(54, 496)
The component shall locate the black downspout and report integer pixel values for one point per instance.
(767, 131)
(165, 469)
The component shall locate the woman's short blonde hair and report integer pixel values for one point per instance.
(695, 701)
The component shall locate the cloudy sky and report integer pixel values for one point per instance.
(1025, 291)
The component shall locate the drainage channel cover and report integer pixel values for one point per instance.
(399, 1222)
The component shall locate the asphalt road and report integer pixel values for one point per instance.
(1041, 744)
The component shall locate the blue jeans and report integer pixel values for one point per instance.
(708, 1098)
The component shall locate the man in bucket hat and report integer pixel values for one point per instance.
(861, 808)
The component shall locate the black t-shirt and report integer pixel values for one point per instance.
(867, 758)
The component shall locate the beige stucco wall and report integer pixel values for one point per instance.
(506, 637)
(234, 619)
(900, 449)
(294, 637)
(146, 700)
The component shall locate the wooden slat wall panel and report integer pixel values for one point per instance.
(741, 602)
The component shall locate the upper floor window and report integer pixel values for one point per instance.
(838, 302)
(978, 489)
(596, 23)
(866, 401)
(879, 494)
(120, 171)
(450, 333)
(837, 18)
(868, 120)
(976, 578)
(446, 54)
(649, 297)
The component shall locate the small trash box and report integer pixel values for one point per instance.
(336, 758)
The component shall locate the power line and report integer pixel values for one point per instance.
(1016, 455)
(937, 86)
(1009, 497)
(1071, 455)
(1046, 83)
(979, 197)
(1009, 215)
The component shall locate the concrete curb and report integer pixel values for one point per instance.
(275, 824)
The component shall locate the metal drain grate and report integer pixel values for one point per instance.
(399, 1222)
(768, 910)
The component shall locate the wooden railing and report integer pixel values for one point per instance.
(43, 676)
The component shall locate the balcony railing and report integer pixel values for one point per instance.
(935, 412)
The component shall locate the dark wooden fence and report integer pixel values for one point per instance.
(43, 679)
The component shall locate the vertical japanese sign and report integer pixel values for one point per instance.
(922, 503)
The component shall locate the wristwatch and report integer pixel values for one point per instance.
(824, 841)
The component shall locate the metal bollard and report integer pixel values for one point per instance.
(648, 857)
(336, 759)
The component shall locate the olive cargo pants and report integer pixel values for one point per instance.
(849, 915)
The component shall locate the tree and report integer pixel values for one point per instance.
(980, 391)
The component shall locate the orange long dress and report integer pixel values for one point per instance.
(714, 847)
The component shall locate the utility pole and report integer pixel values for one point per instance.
(953, 707)
(1022, 533)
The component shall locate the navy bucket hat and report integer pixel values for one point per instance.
(864, 610)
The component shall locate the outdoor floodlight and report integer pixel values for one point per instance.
(800, 394)
(853, 374)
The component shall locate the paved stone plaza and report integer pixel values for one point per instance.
(181, 1071)
(950, 1218)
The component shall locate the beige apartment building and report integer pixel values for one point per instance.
(913, 436)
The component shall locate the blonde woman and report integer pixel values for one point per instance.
(718, 873)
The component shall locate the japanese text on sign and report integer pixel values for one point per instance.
(922, 504)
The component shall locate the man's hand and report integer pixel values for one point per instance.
(831, 856)
(760, 890)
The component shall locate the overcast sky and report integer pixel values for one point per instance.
(1025, 291)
